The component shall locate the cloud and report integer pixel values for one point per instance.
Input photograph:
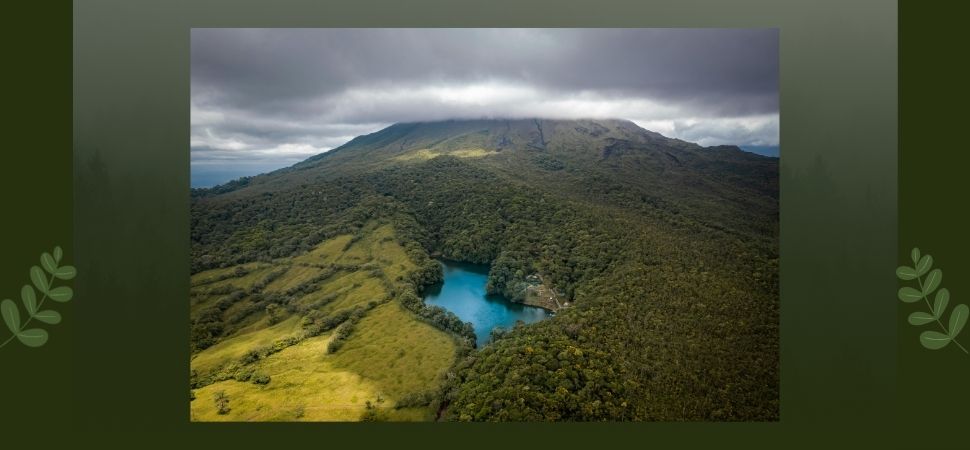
(285, 94)
(761, 130)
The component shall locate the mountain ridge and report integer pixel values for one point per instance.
(608, 136)
(405, 127)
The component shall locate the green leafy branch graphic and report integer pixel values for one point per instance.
(933, 340)
(44, 283)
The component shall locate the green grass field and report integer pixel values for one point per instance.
(389, 353)
(294, 275)
(257, 272)
(426, 154)
(397, 353)
(214, 275)
(235, 347)
(326, 252)
(305, 386)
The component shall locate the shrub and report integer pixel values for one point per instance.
(275, 313)
(250, 357)
(498, 333)
(261, 378)
(221, 290)
(243, 374)
(344, 330)
(414, 399)
(222, 403)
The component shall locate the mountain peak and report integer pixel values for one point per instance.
(504, 133)
(517, 146)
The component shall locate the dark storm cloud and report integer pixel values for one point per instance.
(297, 92)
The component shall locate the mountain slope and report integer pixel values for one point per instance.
(666, 249)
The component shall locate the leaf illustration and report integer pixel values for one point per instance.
(48, 316)
(11, 315)
(29, 298)
(906, 273)
(61, 294)
(924, 265)
(34, 337)
(932, 281)
(38, 278)
(65, 272)
(939, 304)
(921, 318)
(928, 281)
(934, 340)
(958, 318)
(909, 295)
(47, 261)
(42, 279)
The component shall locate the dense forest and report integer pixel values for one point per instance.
(668, 252)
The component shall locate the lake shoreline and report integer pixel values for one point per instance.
(536, 304)
(533, 299)
(462, 292)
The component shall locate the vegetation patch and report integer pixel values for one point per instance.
(305, 386)
(426, 154)
(234, 348)
(295, 275)
(307, 346)
(398, 353)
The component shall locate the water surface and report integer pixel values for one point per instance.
(463, 293)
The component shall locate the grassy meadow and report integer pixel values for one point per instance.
(269, 365)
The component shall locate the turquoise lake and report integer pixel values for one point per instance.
(463, 293)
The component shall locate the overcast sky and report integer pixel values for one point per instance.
(268, 98)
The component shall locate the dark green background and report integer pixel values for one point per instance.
(852, 370)
(36, 198)
(933, 395)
